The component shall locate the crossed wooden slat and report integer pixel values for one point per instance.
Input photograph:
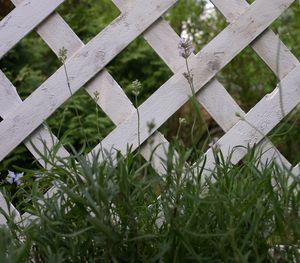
(162, 31)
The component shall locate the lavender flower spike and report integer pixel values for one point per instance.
(185, 47)
(14, 177)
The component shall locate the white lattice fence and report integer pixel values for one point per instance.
(23, 120)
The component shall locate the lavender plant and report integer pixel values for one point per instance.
(186, 49)
(103, 212)
(136, 88)
(63, 57)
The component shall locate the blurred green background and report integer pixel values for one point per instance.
(246, 78)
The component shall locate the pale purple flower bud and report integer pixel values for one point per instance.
(136, 87)
(185, 47)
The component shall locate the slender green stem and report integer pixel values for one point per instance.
(194, 101)
(76, 110)
(178, 130)
(138, 116)
(278, 74)
(190, 77)
(97, 120)
(62, 120)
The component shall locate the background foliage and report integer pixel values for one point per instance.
(247, 78)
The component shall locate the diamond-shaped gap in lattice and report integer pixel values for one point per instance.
(6, 7)
(247, 78)
(139, 62)
(28, 69)
(289, 19)
(286, 136)
(192, 127)
(88, 19)
(19, 160)
(80, 122)
(193, 19)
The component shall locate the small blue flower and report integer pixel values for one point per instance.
(14, 177)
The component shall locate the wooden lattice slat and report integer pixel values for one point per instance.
(247, 22)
